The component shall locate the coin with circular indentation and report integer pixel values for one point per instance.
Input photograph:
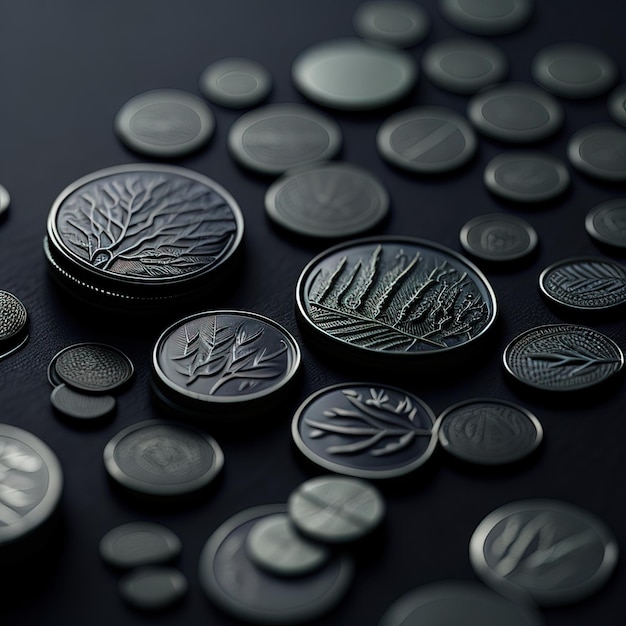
(81, 406)
(599, 150)
(606, 222)
(487, 17)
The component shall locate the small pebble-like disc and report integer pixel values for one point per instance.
(617, 104)
(487, 17)
(79, 405)
(606, 223)
(153, 588)
(599, 150)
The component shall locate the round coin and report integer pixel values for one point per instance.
(617, 104)
(606, 222)
(599, 151)
(562, 357)
(165, 123)
(153, 588)
(487, 17)
(13, 324)
(5, 199)
(549, 551)
(266, 598)
(364, 430)
(159, 458)
(353, 74)
(81, 406)
(327, 200)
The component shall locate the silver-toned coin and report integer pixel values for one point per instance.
(526, 176)
(217, 363)
(574, 70)
(548, 551)
(365, 430)
(81, 406)
(142, 234)
(397, 301)
(427, 140)
(353, 74)
(599, 150)
(517, 113)
(278, 137)
(487, 431)
(562, 357)
(13, 324)
(165, 123)
(153, 588)
(487, 17)
(163, 459)
(331, 199)
(606, 222)
(5, 199)
(236, 585)
(464, 65)
(616, 104)
(235, 82)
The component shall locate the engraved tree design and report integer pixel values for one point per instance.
(15, 465)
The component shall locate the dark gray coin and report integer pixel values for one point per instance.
(139, 543)
(562, 357)
(278, 137)
(515, 113)
(487, 17)
(585, 284)
(396, 22)
(526, 176)
(464, 65)
(247, 592)
(224, 362)
(336, 510)
(365, 431)
(13, 324)
(5, 199)
(235, 82)
(488, 432)
(379, 301)
(153, 588)
(327, 200)
(498, 237)
(457, 602)
(165, 123)
(81, 406)
(617, 104)
(427, 140)
(142, 234)
(574, 70)
(548, 551)
(599, 151)
(159, 458)
(606, 222)
(353, 74)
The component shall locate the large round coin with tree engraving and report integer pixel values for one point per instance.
(142, 233)
(397, 301)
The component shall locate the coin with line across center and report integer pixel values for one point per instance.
(606, 223)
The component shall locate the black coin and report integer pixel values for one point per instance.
(81, 406)
(487, 17)
(606, 222)
(617, 104)
(13, 324)
(153, 588)
(599, 150)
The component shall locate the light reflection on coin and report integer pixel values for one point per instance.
(5, 199)
(81, 406)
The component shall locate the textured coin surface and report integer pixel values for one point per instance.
(617, 104)
(606, 222)
(159, 458)
(486, 431)
(5, 199)
(426, 140)
(599, 150)
(487, 17)
(366, 431)
(81, 406)
(327, 200)
(354, 74)
(165, 123)
(13, 323)
(235, 584)
(562, 357)
(153, 588)
(548, 550)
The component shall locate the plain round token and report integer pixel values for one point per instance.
(395, 22)
(599, 151)
(606, 222)
(527, 177)
(277, 137)
(153, 588)
(236, 585)
(329, 200)
(549, 551)
(13, 323)
(353, 74)
(574, 70)
(487, 17)
(235, 82)
(81, 406)
(464, 65)
(5, 199)
(427, 140)
(617, 104)
(162, 459)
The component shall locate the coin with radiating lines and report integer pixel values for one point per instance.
(606, 222)
(599, 151)
(13, 323)
(81, 406)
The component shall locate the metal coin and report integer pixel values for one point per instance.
(5, 199)
(464, 65)
(486, 431)
(327, 200)
(165, 123)
(617, 104)
(549, 551)
(236, 585)
(487, 17)
(353, 74)
(606, 222)
(515, 113)
(574, 70)
(153, 588)
(562, 357)
(159, 458)
(235, 82)
(13, 324)
(365, 430)
(427, 140)
(381, 301)
(278, 137)
(599, 150)
(526, 176)
(81, 406)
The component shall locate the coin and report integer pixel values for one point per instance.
(81, 406)
(599, 150)
(549, 551)
(153, 588)
(13, 324)
(487, 17)
(606, 222)
(562, 357)
(617, 104)
(165, 123)
(365, 430)
(5, 199)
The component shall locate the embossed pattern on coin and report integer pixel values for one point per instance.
(13, 323)
(599, 150)
(487, 17)
(81, 406)
(606, 222)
